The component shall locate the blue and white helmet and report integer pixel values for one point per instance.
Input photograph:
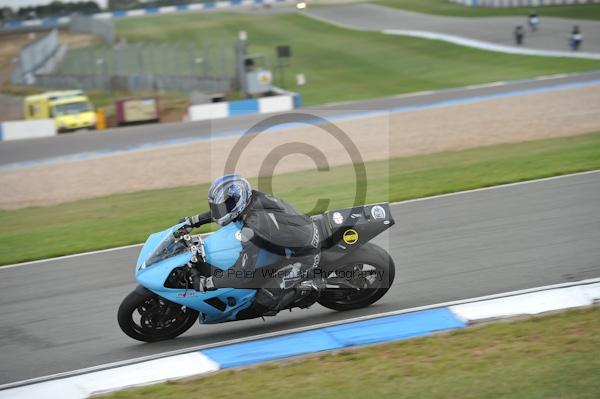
(228, 196)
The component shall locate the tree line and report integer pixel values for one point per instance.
(54, 9)
(59, 8)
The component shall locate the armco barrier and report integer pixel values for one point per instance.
(17, 130)
(263, 105)
(208, 111)
(365, 330)
(275, 104)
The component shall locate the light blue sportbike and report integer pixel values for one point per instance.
(352, 273)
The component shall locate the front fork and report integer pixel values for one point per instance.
(197, 250)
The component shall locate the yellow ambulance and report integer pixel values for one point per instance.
(71, 110)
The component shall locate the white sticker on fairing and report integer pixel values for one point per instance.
(238, 235)
(338, 218)
(378, 212)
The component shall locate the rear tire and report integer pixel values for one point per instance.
(378, 260)
(147, 317)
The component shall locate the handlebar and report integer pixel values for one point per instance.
(195, 247)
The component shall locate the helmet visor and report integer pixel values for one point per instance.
(217, 211)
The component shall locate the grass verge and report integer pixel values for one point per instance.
(342, 64)
(445, 7)
(552, 356)
(129, 218)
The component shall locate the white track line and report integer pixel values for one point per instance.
(433, 197)
(490, 46)
(464, 88)
(69, 256)
(463, 41)
(475, 190)
(294, 330)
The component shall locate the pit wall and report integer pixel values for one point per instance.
(17, 130)
(263, 105)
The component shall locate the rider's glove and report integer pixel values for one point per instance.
(203, 284)
(196, 220)
(187, 227)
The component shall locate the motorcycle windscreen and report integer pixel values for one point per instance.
(168, 248)
(160, 246)
(222, 248)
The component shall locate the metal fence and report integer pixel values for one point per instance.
(147, 66)
(40, 56)
(135, 82)
(209, 60)
(105, 29)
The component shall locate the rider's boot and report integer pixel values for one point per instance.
(201, 283)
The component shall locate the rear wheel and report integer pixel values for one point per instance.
(364, 275)
(145, 316)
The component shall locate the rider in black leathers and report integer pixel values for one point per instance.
(280, 245)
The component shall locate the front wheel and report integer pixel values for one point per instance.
(147, 317)
(364, 277)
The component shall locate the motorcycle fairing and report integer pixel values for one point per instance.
(223, 248)
(363, 222)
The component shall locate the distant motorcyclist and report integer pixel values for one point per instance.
(533, 20)
(519, 34)
(273, 234)
(576, 38)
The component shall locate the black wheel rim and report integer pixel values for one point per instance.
(156, 317)
(366, 278)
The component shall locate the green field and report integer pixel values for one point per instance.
(548, 357)
(341, 64)
(129, 218)
(446, 7)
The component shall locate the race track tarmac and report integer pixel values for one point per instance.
(60, 315)
(25, 153)
(553, 33)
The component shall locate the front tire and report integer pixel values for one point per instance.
(367, 261)
(147, 317)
